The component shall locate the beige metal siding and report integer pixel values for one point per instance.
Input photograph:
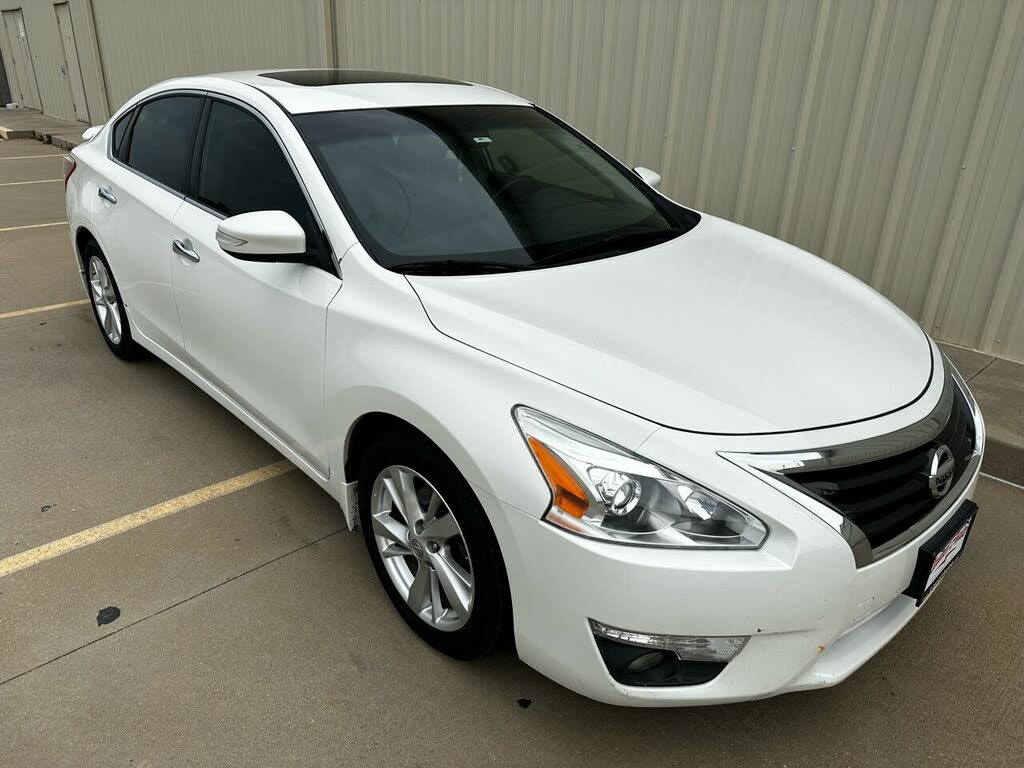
(884, 136)
(144, 42)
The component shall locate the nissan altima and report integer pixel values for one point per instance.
(675, 461)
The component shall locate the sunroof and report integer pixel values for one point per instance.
(320, 77)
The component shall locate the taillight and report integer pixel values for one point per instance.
(69, 167)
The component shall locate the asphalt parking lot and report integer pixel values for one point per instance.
(236, 622)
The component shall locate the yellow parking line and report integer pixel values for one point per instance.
(32, 226)
(47, 308)
(53, 549)
(17, 183)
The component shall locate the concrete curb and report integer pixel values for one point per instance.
(64, 137)
(16, 133)
(58, 140)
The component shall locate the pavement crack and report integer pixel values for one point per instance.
(172, 606)
(982, 370)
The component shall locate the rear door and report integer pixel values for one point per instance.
(257, 330)
(144, 185)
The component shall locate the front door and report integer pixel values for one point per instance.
(22, 78)
(70, 70)
(256, 330)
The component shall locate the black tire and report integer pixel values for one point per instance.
(126, 348)
(489, 621)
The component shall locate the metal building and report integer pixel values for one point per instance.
(887, 137)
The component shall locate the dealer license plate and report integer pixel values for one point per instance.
(941, 551)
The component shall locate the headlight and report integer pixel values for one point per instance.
(603, 491)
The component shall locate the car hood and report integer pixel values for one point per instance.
(722, 330)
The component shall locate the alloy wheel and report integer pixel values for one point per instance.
(104, 299)
(422, 548)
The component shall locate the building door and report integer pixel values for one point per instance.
(71, 71)
(22, 76)
(5, 91)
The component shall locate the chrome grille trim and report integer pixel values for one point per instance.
(773, 467)
(863, 451)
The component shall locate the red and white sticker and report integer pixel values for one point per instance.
(947, 554)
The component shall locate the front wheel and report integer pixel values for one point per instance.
(432, 547)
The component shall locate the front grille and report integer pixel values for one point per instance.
(886, 497)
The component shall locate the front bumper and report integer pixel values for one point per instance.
(813, 617)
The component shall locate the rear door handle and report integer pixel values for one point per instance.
(184, 248)
(106, 194)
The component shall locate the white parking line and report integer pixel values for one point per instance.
(32, 226)
(16, 183)
(28, 157)
(47, 308)
(53, 549)
(1001, 480)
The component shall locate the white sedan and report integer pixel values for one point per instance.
(677, 461)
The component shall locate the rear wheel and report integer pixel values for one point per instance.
(107, 306)
(432, 546)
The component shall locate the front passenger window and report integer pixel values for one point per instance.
(242, 169)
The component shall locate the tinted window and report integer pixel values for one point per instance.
(242, 169)
(120, 129)
(162, 139)
(482, 187)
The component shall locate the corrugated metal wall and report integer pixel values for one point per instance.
(146, 41)
(885, 136)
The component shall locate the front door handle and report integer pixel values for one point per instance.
(184, 248)
(106, 194)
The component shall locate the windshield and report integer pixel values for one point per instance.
(464, 189)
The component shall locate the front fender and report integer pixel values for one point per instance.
(383, 355)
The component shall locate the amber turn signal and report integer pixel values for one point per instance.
(568, 495)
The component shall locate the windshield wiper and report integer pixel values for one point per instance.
(455, 267)
(621, 241)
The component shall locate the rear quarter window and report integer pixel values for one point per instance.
(117, 144)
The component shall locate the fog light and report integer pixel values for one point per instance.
(644, 659)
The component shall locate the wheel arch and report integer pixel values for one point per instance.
(360, 437)
(83, 236)
(365, 429)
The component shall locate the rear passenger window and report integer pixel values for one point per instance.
(242, 169)
(120, 129)
(161, 142)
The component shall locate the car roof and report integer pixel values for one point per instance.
(301, 91)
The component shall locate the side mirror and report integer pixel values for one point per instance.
(263, 236)
(651, 178)
(89, 133)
